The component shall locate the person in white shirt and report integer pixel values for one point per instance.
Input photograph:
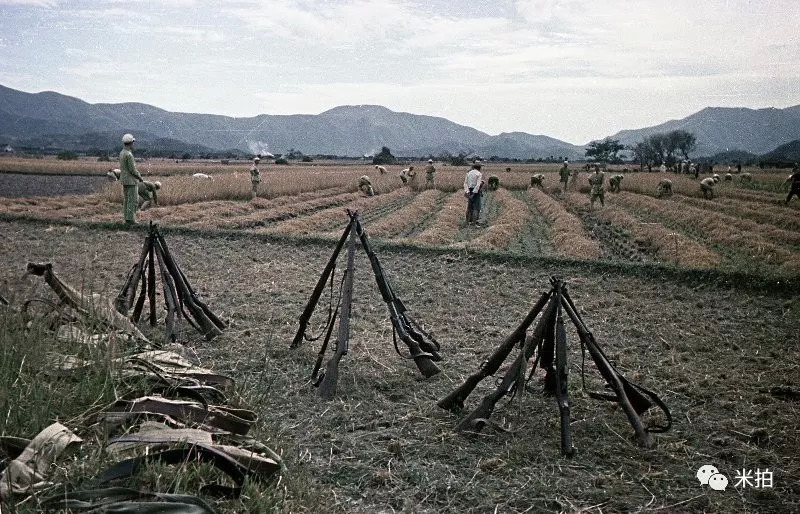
(472, 191)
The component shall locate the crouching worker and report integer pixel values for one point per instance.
(664, 188)
(614, 183)
(707, 187)
(537, 180)
(365, 185)
(147, 194)
(113, 174)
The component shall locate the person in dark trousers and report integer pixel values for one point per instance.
(794, 178)
(472, 191)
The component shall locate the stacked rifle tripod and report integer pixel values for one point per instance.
(179, 296)
(549, 345)
(422, 346)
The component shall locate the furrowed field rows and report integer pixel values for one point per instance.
(715, 228)
(444, 227)
(408, 217)
(263, 212)
(776, 235)
(386, 208)
(327, 219)
(777, 216)
(534, 238)
(70, 206)
(514, 215)
(568, 236)
(665, 244)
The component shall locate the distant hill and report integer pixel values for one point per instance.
(723, 129)
(787, 153)
(49, 118)
(27, 119)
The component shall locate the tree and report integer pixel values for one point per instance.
(605, 150)
(685, 142)
(67, 155)
(384, 157)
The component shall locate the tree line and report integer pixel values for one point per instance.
(666, 148)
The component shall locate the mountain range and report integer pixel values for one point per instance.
(50, 119)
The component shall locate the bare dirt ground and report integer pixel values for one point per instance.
(724, 360)
(15, 185)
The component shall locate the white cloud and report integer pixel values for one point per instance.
(32, 3)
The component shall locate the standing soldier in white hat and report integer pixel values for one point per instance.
(255, 175)
(129, 178)
(430, 171)
(147, 194)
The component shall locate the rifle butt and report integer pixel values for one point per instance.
(327, 388)
(566, 434)
(426, 366)
(474, 422)
(454, 402)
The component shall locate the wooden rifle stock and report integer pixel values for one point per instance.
(127, 295)
(421, 351)
(611, 376)
(562, 392)
(312, 302)
(327, 388)
(477, 418)
(454, 401)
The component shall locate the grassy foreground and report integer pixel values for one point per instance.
(723, 359)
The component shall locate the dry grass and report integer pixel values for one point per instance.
(404, 220)
(322, 220)
(568, 236)
(720, 229)
(714, 353)
(667, 245)
(778, 216)
(514, 216)
(444, 228)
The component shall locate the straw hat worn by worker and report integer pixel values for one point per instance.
(129, 177)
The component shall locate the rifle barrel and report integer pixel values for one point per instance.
(327, 388)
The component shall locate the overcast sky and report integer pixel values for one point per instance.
(571, 69)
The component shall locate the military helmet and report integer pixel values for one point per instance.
(128, 138)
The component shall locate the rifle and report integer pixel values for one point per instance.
(312, 302)
(127, 295)
(327, 388)
(410, 332)
(454, 402)
(633, 398)
(511, 380)
(562, 394)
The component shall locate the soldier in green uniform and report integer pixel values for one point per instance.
(129, 178)
(598, 190)
(147, 194)
(365, 185)
(255, 176)
(564, 174)
(430, 171)
(614, 183)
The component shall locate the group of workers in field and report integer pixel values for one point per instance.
(141, 194)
